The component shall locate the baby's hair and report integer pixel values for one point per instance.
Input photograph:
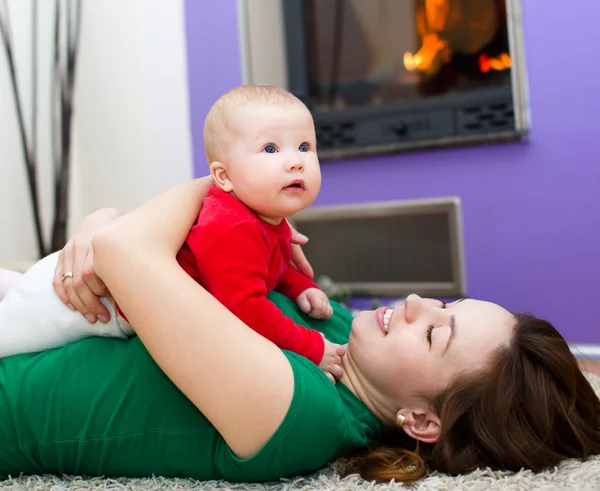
(220, 117)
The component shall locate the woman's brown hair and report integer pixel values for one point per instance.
(532, 409)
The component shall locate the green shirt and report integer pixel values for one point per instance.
(102, 407)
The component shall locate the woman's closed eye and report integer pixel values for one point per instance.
(429, 333)
(430, 329)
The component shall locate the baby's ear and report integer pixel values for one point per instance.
(220, 175)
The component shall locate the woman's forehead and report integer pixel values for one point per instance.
(483, 314)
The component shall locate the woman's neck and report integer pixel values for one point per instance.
(370, 397)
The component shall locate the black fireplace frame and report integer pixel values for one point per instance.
(477, 117)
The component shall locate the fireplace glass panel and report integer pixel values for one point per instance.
(367, 53)
(386, 76)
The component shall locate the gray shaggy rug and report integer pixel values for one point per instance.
(571, 474)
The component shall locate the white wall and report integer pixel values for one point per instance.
(131, 129)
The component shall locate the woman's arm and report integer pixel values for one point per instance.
(239, 380)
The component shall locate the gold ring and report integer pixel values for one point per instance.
(67, 275)
(400, 421)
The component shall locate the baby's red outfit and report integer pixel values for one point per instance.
(239, 258)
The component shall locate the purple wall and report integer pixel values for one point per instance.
(531, 211)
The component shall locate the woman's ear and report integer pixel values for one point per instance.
(421, 425)
(220, 175)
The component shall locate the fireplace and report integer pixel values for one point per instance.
(384, 76)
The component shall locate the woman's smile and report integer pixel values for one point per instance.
(383, 318)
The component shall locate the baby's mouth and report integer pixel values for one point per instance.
(295, 184)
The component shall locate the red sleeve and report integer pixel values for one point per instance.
(234, 268)
(292, 283)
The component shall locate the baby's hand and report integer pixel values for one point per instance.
(331, 363)
(314, 302)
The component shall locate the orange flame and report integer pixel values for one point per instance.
(431, 20)
(423, 59)
(501, 62)
(432, 46)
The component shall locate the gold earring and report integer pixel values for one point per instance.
(400, 421)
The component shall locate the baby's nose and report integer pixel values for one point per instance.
(295, 164)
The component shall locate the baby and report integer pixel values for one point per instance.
(261, 147)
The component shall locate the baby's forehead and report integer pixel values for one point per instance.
(236, 111)
(237, 108)
(255, 114)
(241, 117)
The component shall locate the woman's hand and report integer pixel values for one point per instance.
(82, 290)
(298, 257)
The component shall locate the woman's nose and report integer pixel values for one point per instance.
(413, 306)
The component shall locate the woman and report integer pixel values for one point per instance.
(472, 384)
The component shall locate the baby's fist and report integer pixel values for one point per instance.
(331, 363)
(314, 302)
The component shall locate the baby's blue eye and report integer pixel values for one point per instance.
(303, 147)
(269, 149)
